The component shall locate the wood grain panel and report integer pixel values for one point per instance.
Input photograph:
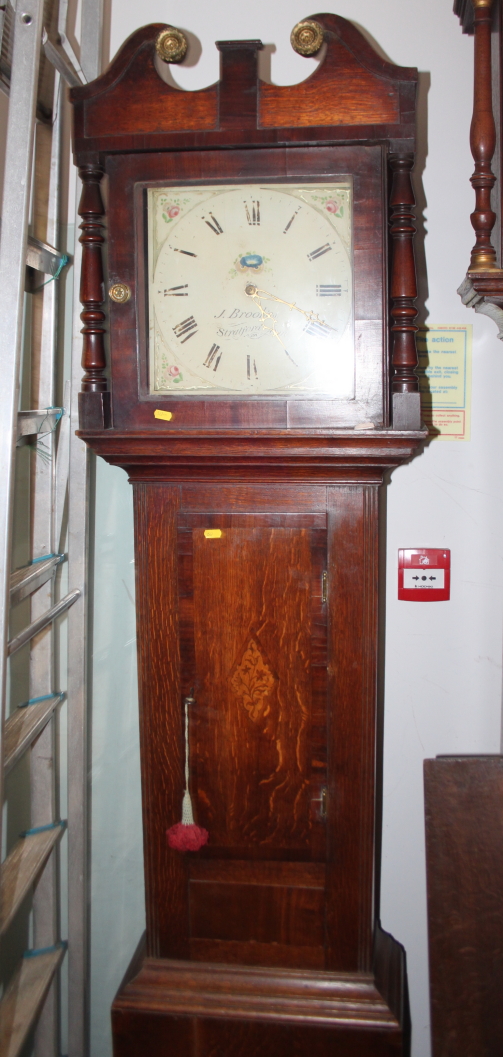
(251, 1011)
(150, 1034)
(132, 95)
(308, 459)
(161, 735)
(352, 570)
(262, 913)
(314, 102)
(369, 93)
(250, 611)
(293, 874)
(243, 497)
(464, 855)
(215, 1038)
(270, 955)
(24, 997)
(22, 868)
(142, 1033)
(352, 86)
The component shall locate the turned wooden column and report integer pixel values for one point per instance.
(92, 288)
(482, 142)
(403, 277)
(94, 396)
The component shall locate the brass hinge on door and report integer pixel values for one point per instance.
(324, 587)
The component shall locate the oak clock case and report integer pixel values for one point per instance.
(249, 344)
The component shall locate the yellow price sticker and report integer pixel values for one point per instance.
(213, 534)
(166, 415)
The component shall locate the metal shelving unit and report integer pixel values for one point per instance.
(36, 58)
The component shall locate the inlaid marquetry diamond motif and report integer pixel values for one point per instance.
(252, 680)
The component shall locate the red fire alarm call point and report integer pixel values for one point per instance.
(424, 575)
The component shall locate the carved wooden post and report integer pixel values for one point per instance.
(405, 385)
(93, 398)
(482, 142)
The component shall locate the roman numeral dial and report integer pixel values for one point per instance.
(214, 356)
(213, 224)
(313, 256)
(177, 291)
(186, 329)
(328, 290)
(264, 271)
(252, 210)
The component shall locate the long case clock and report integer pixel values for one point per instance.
(261, 381)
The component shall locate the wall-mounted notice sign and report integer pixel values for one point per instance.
(445, 371)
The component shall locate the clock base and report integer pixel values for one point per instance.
(203, 1009)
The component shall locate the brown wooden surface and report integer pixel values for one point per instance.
(257, 749)
(160, 718)
(352, 572)
(264, 909)
(403, 277)
(21, 870)
(133, 405)
(464, 855)
(483, 141)
(208, 1010)
(256, 782)
(136, 1033)
(201, 1011)
(92, 287)
(275, 913)
(369, 90)
(129, 108)
(256, 761)
(144, 130)
(23, 725)
(23, 999)
(259, 455)
(484, 284)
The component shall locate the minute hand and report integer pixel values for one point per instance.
(264, 295)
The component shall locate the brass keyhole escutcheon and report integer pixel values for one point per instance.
(307, 37)
(120, 293)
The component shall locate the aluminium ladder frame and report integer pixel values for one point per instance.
(78, 527)
(48, 498)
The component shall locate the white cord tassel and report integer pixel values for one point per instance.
(187, 812)
(186, 835)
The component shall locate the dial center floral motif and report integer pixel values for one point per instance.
(253, 681)
(251, 260)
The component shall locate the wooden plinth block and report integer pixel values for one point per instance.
(204, 1010)
(94, 410)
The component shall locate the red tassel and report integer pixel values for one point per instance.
(186, 838)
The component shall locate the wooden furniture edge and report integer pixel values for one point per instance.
(205, 989)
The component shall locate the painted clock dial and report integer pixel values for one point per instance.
(250, 289)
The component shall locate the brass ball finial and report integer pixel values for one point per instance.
(307, 37)
(171, 45)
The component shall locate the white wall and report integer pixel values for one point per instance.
(443, 674)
